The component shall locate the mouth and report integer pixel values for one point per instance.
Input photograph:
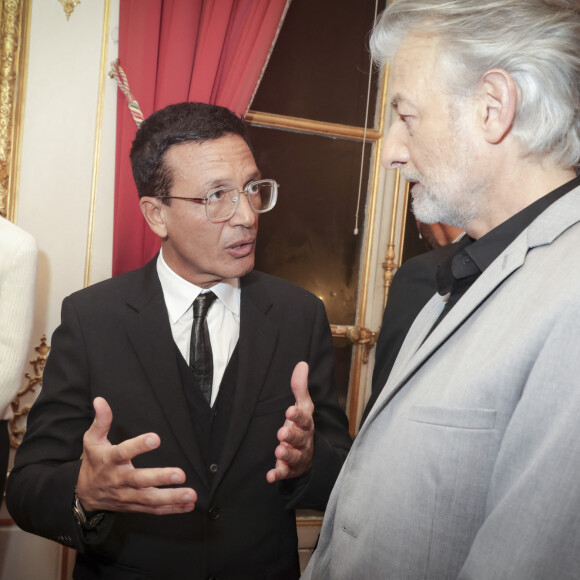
(413, 186)
(241, 249)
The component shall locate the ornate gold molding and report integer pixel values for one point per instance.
(69, 6)
(361, 355)
(17, 430)
(13, 46)
(356, 335)
(97, 145)
(389, 265)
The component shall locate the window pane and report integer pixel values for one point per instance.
(319, 66)
(308, 237)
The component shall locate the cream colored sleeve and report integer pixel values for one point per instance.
(18, 261)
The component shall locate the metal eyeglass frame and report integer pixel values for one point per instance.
(236, 200)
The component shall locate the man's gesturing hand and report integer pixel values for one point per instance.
(296, 436)
(109, 482)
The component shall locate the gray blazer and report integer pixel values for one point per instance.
(468, 465)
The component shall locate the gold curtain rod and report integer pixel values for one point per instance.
(309, 126)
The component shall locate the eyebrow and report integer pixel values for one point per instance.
(214, 183)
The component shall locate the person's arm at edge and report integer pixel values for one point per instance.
(17, 288)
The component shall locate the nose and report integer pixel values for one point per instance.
(244, 215)
(395, 152)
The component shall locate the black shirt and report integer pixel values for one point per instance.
(460, 270)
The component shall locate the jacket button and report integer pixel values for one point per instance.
(213, 467)
(213, 513)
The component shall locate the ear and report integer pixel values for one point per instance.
(154, 214)
(501, 97)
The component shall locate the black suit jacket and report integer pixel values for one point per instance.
(115, 341)
(413, 285)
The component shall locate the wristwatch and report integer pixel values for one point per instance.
(88, 521)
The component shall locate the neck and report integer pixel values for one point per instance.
(515, 188)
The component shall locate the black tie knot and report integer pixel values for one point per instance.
(202, 304)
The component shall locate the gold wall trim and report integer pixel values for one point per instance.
(389, 265)
(357, 335)
(69, 6)
(97, 144)
(314, 127)
(404, 220)
(360, 357)
(14, 30)
(16, 427)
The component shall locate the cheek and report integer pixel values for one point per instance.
(427, 154)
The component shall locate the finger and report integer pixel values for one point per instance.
(293, 458)
(300, 417)
(151, 477)
(293, 437)
(279, 472)
(99, 430)
(154, 501)
(153, 497)
(299, 383)
(125, 451)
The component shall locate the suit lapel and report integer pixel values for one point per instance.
(419, 345)
(150, 335)
(416, 349)
(256, 345)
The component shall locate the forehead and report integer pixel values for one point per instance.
(414, 70)
(225, 158)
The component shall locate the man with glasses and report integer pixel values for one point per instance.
(194, 388)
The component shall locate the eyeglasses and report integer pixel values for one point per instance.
(221, 203)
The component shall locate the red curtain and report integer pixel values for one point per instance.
(210, 51)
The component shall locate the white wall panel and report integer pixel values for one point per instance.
(61, 131)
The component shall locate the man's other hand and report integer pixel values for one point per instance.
(296, 436)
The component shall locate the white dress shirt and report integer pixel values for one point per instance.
(223, 318)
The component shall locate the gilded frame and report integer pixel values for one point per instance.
(14, 35)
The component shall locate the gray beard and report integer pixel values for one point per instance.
(429, 210)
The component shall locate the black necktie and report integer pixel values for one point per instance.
(200, 355)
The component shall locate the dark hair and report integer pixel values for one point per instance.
(180, 123)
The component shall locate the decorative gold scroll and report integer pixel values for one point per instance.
(356, 335)
(13, 48)
(69, 6)
(19, 408)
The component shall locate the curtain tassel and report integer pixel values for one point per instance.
(119, 75)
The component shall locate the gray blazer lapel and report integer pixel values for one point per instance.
(419, 345)
(257, 343)
(150, 335)
(416, 349)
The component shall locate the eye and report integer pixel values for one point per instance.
(217, 195)
(407, 120)
(253, 188)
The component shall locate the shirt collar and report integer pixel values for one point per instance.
(474, 256)
(179, 294)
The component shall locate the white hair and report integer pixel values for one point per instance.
(536, 41)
